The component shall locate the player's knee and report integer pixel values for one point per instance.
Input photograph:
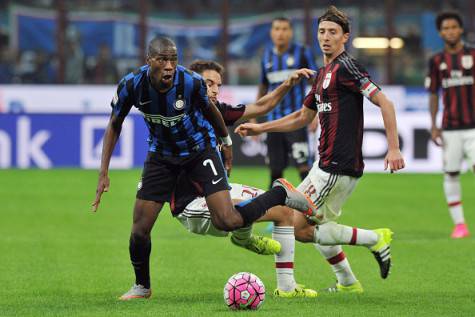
(304, 234)
(452, 176)
(285, 216)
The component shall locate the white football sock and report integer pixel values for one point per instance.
(284, 260)
(332, 233)
(454, 200)
(338, 261)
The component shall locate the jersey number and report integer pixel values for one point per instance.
(210, 163)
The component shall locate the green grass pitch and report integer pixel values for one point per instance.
(59, 259)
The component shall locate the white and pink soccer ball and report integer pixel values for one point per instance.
(244, 291)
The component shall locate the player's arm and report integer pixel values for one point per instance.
(393, 159)
(435, 131)
(216, 120)
(269, 101)
(121, 105)
(294, 121)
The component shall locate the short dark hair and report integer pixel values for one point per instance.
(199, 66)
(334, 15)
(282, 19)
(446, 15)
(159, 43)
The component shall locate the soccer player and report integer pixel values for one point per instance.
(337, 97)
(183, 126)
(278, 62)
(192, 211)
(452, 70)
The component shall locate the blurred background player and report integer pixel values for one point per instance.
(183, 126)
(337, 97)
(452, 70)
(278, 62)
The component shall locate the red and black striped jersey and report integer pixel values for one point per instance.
(337, 95)
(455, 74)
(230, 113)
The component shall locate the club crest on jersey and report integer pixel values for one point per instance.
(326, 81)
(290, 61)
(442, 66)
(179, 104)
(467, 61)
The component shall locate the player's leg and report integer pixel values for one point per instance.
(297, 141)
(453, 151)
(277, 155)
(324, 188)
(153, 190)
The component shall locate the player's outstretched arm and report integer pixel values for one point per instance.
(111, 135)
(291, 122)
(435, 132)
(393, 159)
(266, 103)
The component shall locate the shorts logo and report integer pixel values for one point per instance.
(214, 182)
(467, 61)
(326, 81)
(179, 104)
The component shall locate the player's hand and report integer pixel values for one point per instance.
(248, 129)
(102, 186)
(394, 161)
(297, 75)
(436, 136)
(228, 158)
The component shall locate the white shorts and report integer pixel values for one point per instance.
(196, 217)
(458, 144)
(328, 191)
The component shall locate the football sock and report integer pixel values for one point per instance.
(339, 263)
(284, 260)
(140, 248)
(241, 235)
(303, 175)
(275, 175)
(332, 233)
(254, 208)
(454, 200)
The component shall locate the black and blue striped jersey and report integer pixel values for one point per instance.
(276, 68)
(175, 120)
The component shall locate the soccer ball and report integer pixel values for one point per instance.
(244, 291)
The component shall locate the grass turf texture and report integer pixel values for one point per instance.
(59, 259)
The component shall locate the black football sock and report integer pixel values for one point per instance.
(273, 176)
(253, 209)
(303, 175)
(140, 248)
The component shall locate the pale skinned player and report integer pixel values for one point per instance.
(337, 98)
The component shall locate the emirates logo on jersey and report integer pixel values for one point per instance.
(326, 81)
(467, 61)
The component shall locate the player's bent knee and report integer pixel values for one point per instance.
(305, 234)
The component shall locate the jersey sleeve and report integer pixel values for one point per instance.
(231, 113)
(354, 76)
(309, 100)
(201, 94)
(308, 59)
(122, 101)
(432, 81)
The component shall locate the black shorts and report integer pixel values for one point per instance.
(282, 145)
(160, 175)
